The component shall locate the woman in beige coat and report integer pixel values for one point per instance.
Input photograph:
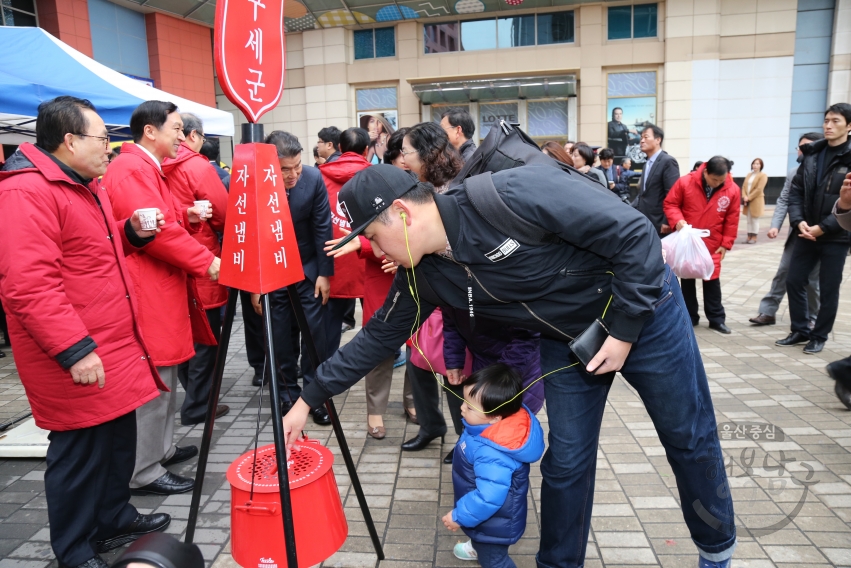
(753, 198)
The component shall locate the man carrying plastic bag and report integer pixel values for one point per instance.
(705, 199)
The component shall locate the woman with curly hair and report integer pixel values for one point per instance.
(428, 153)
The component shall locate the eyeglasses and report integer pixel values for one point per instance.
(405, 153)
(104, 139)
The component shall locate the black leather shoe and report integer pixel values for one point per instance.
(813, 346)
(720, 328)
(96, 562)
(144, 524)
(257, 381)
(320, 416)
(167, 484)
(221, 410)
(181, 455)
(286, 406)
(793, 338)
(843, 394)
(449, 456)
(418, 442)
(763, 319)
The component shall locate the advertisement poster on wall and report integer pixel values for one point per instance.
(380, 125)
(631, 106)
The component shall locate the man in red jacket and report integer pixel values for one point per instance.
(133, 181)
(707, 198)
(347, 282)
(191, 177)
(72, 314)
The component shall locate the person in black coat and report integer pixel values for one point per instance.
(840, 371)
(661, 171)
(814, 192)
(311, 217)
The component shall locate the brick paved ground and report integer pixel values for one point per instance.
(636, 517)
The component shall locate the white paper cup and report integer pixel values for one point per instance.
(204, 205)
(148, 219)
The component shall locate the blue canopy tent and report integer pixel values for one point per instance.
(44, 68)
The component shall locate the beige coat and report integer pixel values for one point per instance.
(756, 195)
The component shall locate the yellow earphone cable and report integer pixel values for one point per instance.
(415, 334)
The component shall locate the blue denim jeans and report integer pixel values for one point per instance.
(493, 555)
(665, 368)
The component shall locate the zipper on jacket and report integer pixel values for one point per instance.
(392, 306)
(479, 282)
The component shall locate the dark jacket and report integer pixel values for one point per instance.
(813, 202)
(311, 216)
(491, 342)
(652, 192)
(467, 149)
(490, 476)
(604, 249)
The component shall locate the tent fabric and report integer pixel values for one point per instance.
(44, 67)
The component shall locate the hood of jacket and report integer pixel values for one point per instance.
(16, 164)
(343, 168)
(184, 153)
(519, 436)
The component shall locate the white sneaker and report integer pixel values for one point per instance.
(465, 551)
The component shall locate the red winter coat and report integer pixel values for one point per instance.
(720, 214)
(133, 181)
(64, 280)
(191, 177)
(347, 281)
(376, 282)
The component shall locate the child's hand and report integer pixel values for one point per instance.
(450, 524)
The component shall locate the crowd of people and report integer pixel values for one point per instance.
(107, 315)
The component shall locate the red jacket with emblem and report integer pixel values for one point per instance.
(719, 214)
(64, 283)
(347, 281)
(191, 177)
(133, 181)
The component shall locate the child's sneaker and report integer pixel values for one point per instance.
(704, 563)
(465, 551)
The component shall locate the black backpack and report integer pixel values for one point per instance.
(506, 146)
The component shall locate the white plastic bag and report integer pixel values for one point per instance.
(687, 255)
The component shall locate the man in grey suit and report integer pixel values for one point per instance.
(771, 302)
(661, 171)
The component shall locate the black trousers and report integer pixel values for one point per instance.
(87, 485)
(196, 375)
(804, 257)
(255, 346)
(426, 393)
(286, 357)
(711, 300)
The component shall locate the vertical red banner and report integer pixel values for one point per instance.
(259, 250)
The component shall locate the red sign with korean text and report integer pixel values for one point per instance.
(250, 53)
(259, 250)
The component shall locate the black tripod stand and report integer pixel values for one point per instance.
(254, 133)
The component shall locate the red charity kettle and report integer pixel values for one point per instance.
(257, 532)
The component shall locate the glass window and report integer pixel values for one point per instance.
(380, 42)
(478, 34)
(491, 113)
(364, 44)
(438, 110)
(441, 38)
(516, 31)
(547, 118)
(18, 13)
(371, 99)
(620, 22)
(385, 42)
(555, 28)
(644, 20)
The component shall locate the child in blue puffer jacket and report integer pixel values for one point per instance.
(490, 468)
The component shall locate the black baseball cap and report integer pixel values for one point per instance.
(370, 192)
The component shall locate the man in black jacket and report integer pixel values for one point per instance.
(311, 216)
(460, 128)
(661, 171)
(840, 371)
(597, 259)
(812, 195)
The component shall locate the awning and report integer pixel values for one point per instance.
(480, 89)
(44, 68)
